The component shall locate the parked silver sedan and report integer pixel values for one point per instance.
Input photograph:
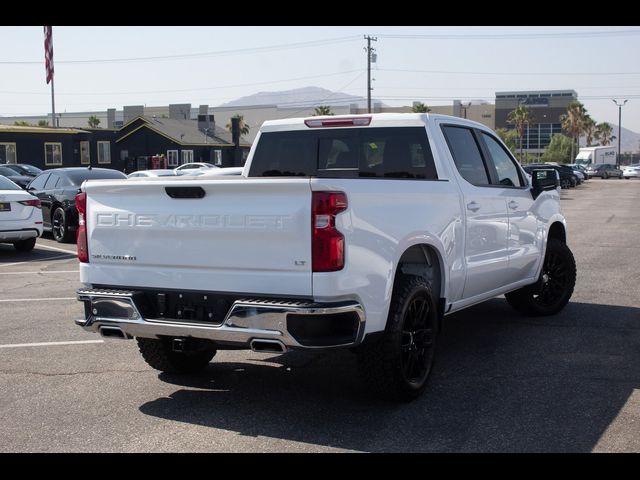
(604, 170)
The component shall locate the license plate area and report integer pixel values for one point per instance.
(5, 207)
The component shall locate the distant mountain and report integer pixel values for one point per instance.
(299, 97)
(630, 140)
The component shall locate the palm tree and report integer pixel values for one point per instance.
(93, 121)
(603, 133)
(590, 130)
(573, 122)
(520, 118)
(419, 107)
(244, 128)
(322, 110)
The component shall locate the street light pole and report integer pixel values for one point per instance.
(620, 105)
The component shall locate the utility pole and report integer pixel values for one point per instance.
(369, 50)
(620, 105)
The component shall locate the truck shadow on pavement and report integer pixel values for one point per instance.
(501, 382)
(8, 254)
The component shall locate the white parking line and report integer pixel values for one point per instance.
(38, 271)
(36, 299)
(50, 344)
(57, 249)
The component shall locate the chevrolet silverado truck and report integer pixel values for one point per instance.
(358, 232)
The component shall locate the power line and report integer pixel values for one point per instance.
(143, 92)
(239, 51)
(458, 72)
(511, 36)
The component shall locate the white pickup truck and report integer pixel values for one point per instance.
(357, 232)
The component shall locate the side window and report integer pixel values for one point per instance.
(466, 154)
(506, 170)
(52, 182)
(39, 181)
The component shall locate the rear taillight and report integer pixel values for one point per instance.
(31, 203)
(81, 235)
(327, 241)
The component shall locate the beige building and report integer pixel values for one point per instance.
(254, 116)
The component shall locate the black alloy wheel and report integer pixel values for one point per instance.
(554, 287)
(417, 341)
(59, 227)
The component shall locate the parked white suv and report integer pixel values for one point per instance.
(357, 232)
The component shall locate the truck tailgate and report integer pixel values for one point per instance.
(243, 235)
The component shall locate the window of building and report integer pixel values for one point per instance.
(104, 152)
(52, 153)
(85, 156)
(8, 153)
(172, 158)
(187, 156)
(217, 157)
(466, 154)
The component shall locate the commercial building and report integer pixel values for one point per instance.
(546, 107)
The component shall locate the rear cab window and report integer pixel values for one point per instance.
(387, 152)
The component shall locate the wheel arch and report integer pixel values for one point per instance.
(424, 260)
(558, 231)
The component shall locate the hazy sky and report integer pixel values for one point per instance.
(101, 67)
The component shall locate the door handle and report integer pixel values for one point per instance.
(473, 206)
(513, 205)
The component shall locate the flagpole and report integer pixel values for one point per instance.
(53, 107)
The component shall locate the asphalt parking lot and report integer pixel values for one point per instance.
(502, 382)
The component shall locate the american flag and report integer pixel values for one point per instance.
(48, 52)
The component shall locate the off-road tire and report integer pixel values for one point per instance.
(554, 288)
(398, 364)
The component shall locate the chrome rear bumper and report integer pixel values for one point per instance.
(292, 324)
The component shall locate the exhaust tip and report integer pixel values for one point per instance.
(113, 332)
(268, 346)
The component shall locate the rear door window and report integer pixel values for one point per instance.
(39, 181)
(466, 154)
(395, 152)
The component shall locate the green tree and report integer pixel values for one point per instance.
(244, 128)
(559, 150)
(573, 122)
(590, 130)
(520, 118)
(22, 123)
(43, 123)
(603, 133)
(420, 107)
(322, 110)
(509, 137)
(93, 121)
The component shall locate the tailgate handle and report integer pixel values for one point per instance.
(185, 192)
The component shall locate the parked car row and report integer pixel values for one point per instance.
(567, 175)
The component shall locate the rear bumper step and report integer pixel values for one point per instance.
(262, 325)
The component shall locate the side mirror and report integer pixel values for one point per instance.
(543, 180)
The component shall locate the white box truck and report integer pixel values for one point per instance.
(596, 155)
